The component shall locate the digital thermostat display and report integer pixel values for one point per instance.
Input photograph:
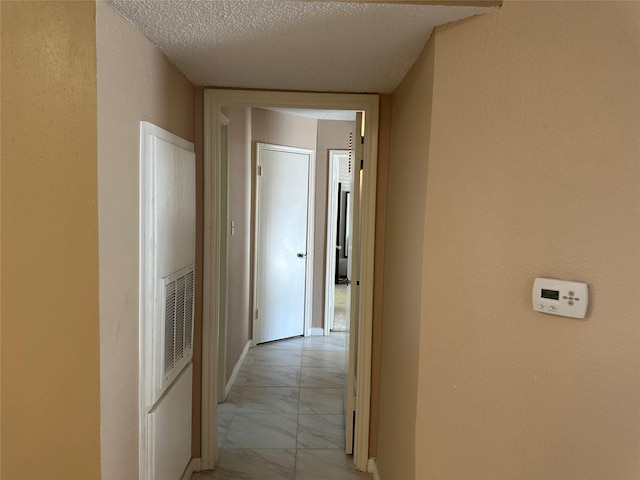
(560, 297)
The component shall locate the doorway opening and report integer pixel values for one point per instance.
(339, 185)
(216, 264)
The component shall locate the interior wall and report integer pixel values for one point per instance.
(280, 128)
(407, 179)
(239, 252)
(332, 135)
(135, 82)
(50, 357)
(534, 170)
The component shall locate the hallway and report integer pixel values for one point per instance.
(340, 314)
(284, 417)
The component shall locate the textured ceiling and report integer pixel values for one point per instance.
(290, 45)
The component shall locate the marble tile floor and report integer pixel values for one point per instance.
(284, 417)
(340, 316)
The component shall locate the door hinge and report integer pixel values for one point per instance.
(259, 172)
(256, 313)
(362, 164)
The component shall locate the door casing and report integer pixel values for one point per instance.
(214, 99)
(332, 230)
(224, 274)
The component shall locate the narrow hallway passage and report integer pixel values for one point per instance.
(284, 416)
(340, 314)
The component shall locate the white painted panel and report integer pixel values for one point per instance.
(170, 430)
(167, 247)
(281, 246)
(168, 242)
(175, 207)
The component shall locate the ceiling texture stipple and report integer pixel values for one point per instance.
(290, 45)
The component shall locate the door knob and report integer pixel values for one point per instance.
(301, 255)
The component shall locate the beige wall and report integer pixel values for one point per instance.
(239, 253)
(135, 82)
(283, 129)
(407, 178)
(50, 356)
(533, 170)
(332, 135)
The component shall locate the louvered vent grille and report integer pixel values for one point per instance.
(178, 318)
(169, 320)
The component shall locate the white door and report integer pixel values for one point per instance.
(353, 290)
(283, 257)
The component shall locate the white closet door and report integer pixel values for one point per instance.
(282, 256)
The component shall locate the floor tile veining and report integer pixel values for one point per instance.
(284, 416)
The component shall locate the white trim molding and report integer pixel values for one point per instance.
(193, 467)
(372, 468)
(236, 369)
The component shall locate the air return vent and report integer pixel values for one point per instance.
(178, 319)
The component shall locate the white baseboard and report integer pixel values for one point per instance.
(316, 331)
(372, 468)
(194, 466)
(236, 369)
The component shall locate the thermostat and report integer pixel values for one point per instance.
(560, 297)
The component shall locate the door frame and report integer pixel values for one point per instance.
(224, 266)
(310, 255)
(214, 99)
(332, 217)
